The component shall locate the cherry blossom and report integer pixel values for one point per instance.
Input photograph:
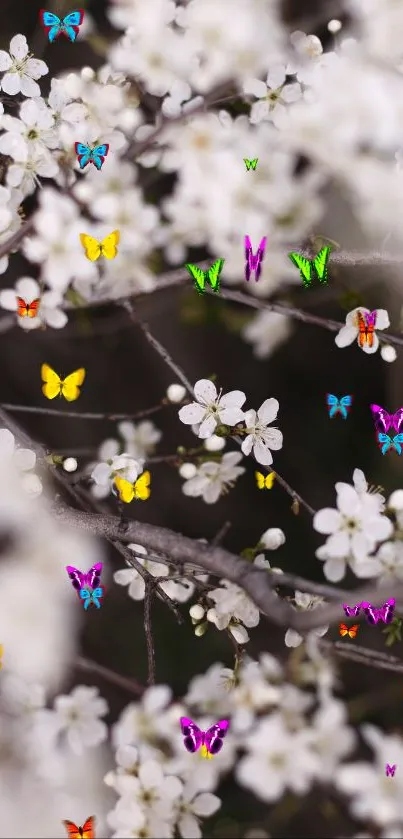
(212, 408)
(259, 436)
(20, 69)
(350, 331)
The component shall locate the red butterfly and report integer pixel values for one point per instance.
(366, 326)
(27, 310)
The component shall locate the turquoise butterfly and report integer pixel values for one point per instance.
(311, 267)
(86, 155)
(338, 406)
(91, 596)
(201, 277)
(55, 27)
(388, 442)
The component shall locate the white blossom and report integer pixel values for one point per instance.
(305, 602)
(212, 408)
(77, 717)
(213, 478)
(350, 332)
(259, 436)
(49, 311)
(20, 69)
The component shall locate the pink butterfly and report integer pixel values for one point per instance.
(254, 260)
(211, 741)
(387, 420)
(385, 613)
(390, 770)
(352, 611)
(79, 580)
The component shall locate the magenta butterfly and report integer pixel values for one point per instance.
(210, 741)
(390, 770)
(87, 585)
(384, 421)
(352, 611)
(385, 613)
(253, 261)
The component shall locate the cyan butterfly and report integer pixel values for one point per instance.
(387, 442)
(55, 27)
(86, 154)
(338, 406)
(310, 267)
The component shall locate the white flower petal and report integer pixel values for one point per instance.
(206, 804)
(334, 569)
(19, 47)
(233, 399)
(346, 336)
(207, 427)
(268, 410)
(55, 318)
(375, 344)
(5, 61)
(231, 416)
(382, 319)
(192, 413)
(262, 454)
(11, 84)
(205, 392)
(327, 520)
(27, 288)
(8, 300)
(25, 459)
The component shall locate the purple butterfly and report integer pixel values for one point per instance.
(387, 420)
(211, 740)
(385, 613)
(89, 580)
(254, 260)
(390, 770)
(352, 611)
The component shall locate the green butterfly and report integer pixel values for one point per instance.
(201, 277)
(250, 164)
(309, 267)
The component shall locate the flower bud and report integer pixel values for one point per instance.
(396, 500)
(214, 443)
(175, 393)
(187, 470)
(196, 611)
(239, 633)
(272, 538)
(201, 629)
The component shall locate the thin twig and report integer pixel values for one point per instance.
(30, 409)
(157, 346)
(221, 534)
(17, 237)
(110, 676)
(363, 655)
(149, 633)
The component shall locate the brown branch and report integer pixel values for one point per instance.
(55, 412)
(257, 583)
(363, 655)
(110, 676)
(149, 633)
(17, 237)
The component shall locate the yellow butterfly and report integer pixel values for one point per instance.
(1, 655)
(139, 490)
(265, 481)
(107, 247)
(55, 386)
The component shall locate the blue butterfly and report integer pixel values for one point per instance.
(86, 154)
(338, 406)
(55, 27)
(388, 442)
(91, 596)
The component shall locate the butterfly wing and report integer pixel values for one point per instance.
(51, 23)
(96, 596)
(304, 266)
(320, 263)
(73, 831)
(91, 246)
(109, 245)
(390, 770)
(192, 735)
(353, 630)
(332, 404)
(198, 276)
(98, 155)
(250, 164)
(32, 308)
(345, 405)
(213, 274)
(397, 442)
(366, 325)
(372, 615)
(1, 655)
(85, 595)
(22, 307)
(88, 828)
(72, 383)
(387, 610)
(78, 579)
(381, 417)
(83, 153)
(397, 419)
(385, 442)
(260, 480)
(52, 382)
(214, 736)
(269, 480)
(260, 254)
(124, 488)
(248, 258)
(141, 488)
(72, 23)
(93, 576)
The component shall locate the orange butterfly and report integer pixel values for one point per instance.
(27, 310)
(87, 831)
(345, 630)
(366, 326)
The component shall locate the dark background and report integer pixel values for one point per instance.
(124, 375)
